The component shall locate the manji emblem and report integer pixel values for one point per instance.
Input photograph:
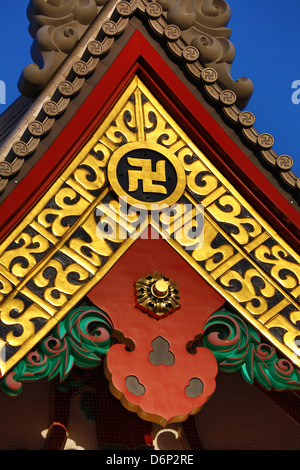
(66, 244)
(146, 174)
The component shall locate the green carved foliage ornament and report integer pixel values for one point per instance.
(84, 337)
(81, 339)
(237, 346)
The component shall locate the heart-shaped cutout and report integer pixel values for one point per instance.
(134, 386)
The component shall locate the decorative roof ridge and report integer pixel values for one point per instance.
(56, 27)
(83, 60)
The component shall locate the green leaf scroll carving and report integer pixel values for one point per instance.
(237, 346)
(81, 339)
(84, 336)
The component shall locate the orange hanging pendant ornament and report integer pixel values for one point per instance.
(157, 315)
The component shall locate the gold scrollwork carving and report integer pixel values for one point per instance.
(173, 219)
(5, 287)
(156, 127)
(20, 258)
(90, 174)
(228, 210)
(123, 128)
(256, 303)
(199, 179)
(213, 253)
(139, 120)
(93, 245)
(283, 269)
(62, 283)
(69, 205)
(14, 312)
(290, 332)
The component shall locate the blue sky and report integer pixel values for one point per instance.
(267, 42)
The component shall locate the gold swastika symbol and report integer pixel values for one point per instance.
(146, 175)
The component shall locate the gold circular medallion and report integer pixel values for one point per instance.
(156, 295)
(146, 174)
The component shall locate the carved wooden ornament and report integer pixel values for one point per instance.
(151, 370)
